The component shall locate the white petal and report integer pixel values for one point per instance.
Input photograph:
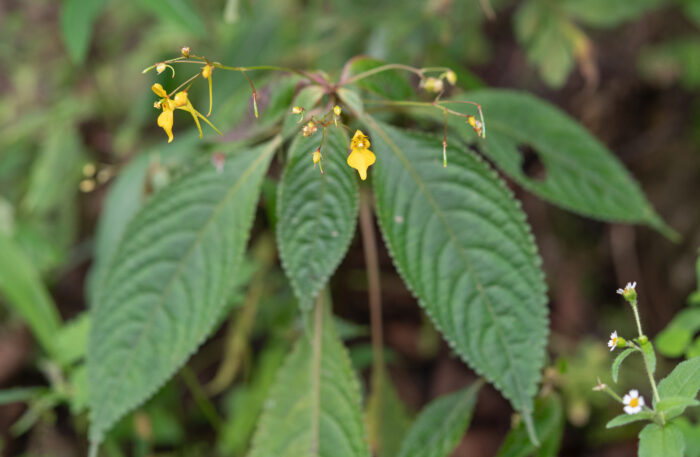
(626, 399)
(641, 401)
(620, 291)
(613, 335)
(634, 393)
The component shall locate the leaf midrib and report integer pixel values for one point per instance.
(448, 229)
(166, 290)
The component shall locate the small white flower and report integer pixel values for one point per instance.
(628, 288)
(612, 344)
(633, 402)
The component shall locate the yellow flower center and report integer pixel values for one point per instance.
(634, 402)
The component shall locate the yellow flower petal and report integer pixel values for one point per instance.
(360, 160)
(165, 120)
(158, 89)
(359, 141)
(181, 99)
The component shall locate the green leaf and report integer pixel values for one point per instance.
(168, 282)
(604, 13)
(307, 98)
(683, 381)
(618, 361)
(71, 340)
(675, 406)
(462, 244)
(676, 337)
(624, 419)
(56, 172)
(582, 175)
(386, 416)
(314, 406)
(389, 84)
(20, 394)
(352, 99)
(128, 193)
(549, 424)
(76, 20)
(23, 291)
(178, 12)
(657, 441)
(549, 39)
(691, 432)
(316, 213)
(439, 428)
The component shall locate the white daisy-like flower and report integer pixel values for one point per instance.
(633, 402)
(628, 288)
(612, 344)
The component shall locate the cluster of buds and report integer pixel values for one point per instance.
(309, 129)
(436, 85)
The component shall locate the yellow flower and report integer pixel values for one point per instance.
(180, 101)
(360, 157)
(165, 119)
(316, 157)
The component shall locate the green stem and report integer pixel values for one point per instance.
(200, 397)
(374, 71)
(636, 318)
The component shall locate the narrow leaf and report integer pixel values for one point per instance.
(168, 282)
(657, 441)
(316, 213)
(618, 361)
(77, 19)
(624, 419)
(440, 427)
(549, 424)
(580, 173)
(462, 244)
(23, 291)
(314, 406)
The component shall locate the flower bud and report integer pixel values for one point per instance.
(317, 156)
(206, 71)
(643, 339)
(185, 51)
(451, 77)
(297, 110)
(337, 110)
(309, 129)
(160, 67)
(475, 124)
(434, 85)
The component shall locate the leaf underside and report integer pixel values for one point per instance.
(168, 282)
(463, 246)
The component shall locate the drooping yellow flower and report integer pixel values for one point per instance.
(165, 119)
(360, 157)
(180, 101)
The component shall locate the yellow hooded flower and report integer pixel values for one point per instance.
(165, 120)
(180, 101)
(360, 157)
